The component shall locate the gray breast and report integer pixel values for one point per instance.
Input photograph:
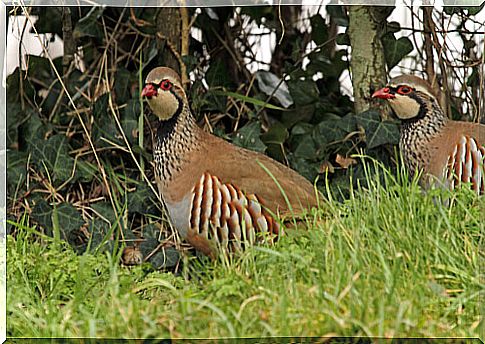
(179, 213)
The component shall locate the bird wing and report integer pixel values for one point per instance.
(466, 164)
(222, 214)
(283, 190)
(459, 154)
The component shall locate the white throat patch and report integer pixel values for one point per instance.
(164, 104)
(405, 107)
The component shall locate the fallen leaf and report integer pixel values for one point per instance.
(326, 166)
(345, 162)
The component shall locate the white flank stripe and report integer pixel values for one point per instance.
(206, 212)
(477, 156)
(216, 217)
(461, 158)
(451, 168)
(468, 166)
(198, 200)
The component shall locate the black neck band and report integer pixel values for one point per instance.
(167, 127)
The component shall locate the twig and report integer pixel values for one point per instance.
(281, 23)
(138, 22)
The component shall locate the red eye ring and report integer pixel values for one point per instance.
(404, 90)
(165, 85)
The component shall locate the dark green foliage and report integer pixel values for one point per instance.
(248, 137)
(377, 132)
(90, 26)
(62, 216)
(395, 49)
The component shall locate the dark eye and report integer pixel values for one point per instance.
(165, 85)
(404, 90)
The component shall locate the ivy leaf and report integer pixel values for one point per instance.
(306, 168)
(42, 214)
(302, 129)
(13, 87)
(277, 134)
(69, 218)
(395, 49)
(319, 29)
(257, 13)
(106, 127)
(339, 14)
(348, 123)
(33, 132)
(393, 27)
(270, 84)
(14, 119)
(53, 154)
(151, 231)
(249, 137)
(17, 169)
(165, 258)
(218, 75)
(377, 132)
(333, 130)
(247, 99)
(104, 211)
(473, 10)
(122, 85)
(304, 91)
(85, 171)
(129, 121)
(298, 115)
(306, 148)
(49, 20)
(473, 7)
(39, 67)
(142, 201)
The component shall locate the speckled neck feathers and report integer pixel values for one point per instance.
(418, 131)
(174, 140)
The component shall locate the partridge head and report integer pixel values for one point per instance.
(446, 151)
(164, 92)
(218, 196)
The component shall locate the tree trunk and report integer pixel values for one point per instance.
(169, 25)
(368, 63)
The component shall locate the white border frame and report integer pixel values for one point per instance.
(215, 3)
(3, 174)
(132, 3)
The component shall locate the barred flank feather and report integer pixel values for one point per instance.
(225, 214)
(466, 164)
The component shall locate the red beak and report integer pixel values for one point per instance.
(383, 93)
(149, 91)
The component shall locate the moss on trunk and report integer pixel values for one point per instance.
(368, 63)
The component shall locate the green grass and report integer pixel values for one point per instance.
(390, 261)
